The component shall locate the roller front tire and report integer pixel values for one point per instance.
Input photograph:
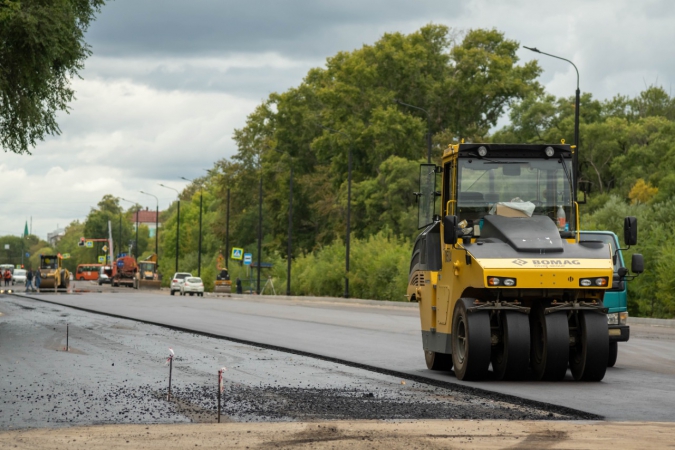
(471, 341)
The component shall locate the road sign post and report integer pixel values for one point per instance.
(237, 253)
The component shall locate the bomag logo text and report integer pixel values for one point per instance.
(556, 262)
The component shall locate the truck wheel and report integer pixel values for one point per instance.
(589, 355)
(438, 361)
(511, 355)
(613, 353)
(549, 343)
(172, 292)
(471, 341)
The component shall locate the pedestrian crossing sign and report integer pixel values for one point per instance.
(237, 253)
(101, 259)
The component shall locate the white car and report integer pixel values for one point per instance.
(177, 281)
(103, 277)
(192, 286)
(19, 276)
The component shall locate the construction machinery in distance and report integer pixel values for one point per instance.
(124, 272)
(146, 276)
(52, 274)
(501, 273)
(223, 284)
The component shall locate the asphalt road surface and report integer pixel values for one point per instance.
(386, 335)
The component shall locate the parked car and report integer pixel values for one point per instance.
(192, 286)
(103, 276)
(177, 281)
(19, 276)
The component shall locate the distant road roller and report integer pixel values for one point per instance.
(146, 277)
(500, 272)
(52, 274)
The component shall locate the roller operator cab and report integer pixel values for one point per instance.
(500, 272)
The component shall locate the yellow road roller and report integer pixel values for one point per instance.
(52, 275)
(502, 275)
(223, 284)
(146, 277)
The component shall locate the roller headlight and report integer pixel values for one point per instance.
(549, 151)
(482, 151)
(594, 282)
(613, 319)
(501, 281)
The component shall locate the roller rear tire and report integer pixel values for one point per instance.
(471, 341)
(549, 343)
(590, 354)
(437, 361)
(613, 354)
(511, 356)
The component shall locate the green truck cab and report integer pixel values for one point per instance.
(616, 298)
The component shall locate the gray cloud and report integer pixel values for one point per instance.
(296, 27)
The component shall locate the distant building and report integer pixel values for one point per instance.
(147, 218)
(55, 236)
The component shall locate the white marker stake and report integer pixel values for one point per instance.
(220, 388)
(169, 361)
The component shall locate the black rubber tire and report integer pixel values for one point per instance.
(613, 354)
(588, 358)
(438, 361)
(191, 294)
(511, 356)
(471, 342)
(172, 292)
(549, 343)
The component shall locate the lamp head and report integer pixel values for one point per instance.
(532, 49)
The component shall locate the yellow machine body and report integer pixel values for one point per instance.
(495, 259)
(147, 277)
(52, 274)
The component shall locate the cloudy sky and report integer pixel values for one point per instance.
(170, 80)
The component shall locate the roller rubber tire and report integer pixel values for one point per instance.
(589, 357)
(549, 344)
(471, 342)
(511, 356)
(613, 354)
(438, 361)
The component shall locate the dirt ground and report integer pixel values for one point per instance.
(354, 435)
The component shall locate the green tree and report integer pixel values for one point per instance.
(42, 49)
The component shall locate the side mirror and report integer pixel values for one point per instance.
(585, 187)
(450, 230)
(630, 231)
(637, 264)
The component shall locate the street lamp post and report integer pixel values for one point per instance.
(177, 223)
(199, 250)
(399, 102)
(290, 229)
(260, 200)
(227, 224)
(156, 225)
(349, 204)
(575, 154)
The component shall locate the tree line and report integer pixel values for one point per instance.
(463, 83)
